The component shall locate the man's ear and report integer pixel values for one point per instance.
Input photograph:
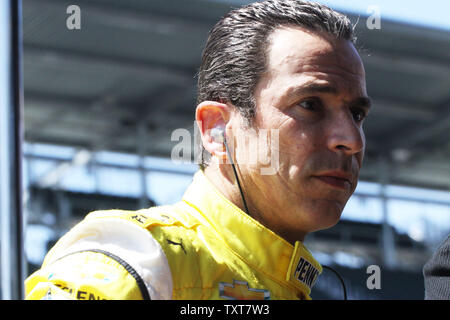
(213, 115)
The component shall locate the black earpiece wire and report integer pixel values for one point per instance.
(235, 174)
(340, 279)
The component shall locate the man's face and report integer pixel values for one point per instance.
(314, 93)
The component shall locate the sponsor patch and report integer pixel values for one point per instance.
(240, 290)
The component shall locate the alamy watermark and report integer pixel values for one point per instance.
(258, 148)
(73, 21)
(374, 19)
(374, 280)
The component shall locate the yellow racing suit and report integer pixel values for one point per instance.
(203, 247)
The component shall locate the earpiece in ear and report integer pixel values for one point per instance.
(218, 135)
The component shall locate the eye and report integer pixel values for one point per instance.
(359, 114)
(313, 104)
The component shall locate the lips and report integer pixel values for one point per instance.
(336, 179)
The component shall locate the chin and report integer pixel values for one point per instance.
(327, 216)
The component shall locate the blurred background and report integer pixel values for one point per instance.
(101, 103)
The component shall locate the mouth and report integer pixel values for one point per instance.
(336, 179)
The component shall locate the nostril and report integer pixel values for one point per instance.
(342, 147)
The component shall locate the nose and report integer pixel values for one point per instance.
(346, 136)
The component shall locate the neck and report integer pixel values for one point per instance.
(223, 178)
(225, 181)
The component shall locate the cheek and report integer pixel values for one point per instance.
(297, 148)
(298, 143)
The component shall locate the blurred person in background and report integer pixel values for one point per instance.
(284, 72)
(436, 273)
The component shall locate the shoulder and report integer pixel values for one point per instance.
(146, 218)
(121, 238)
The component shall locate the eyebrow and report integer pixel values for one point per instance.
(364, 102)
(314, 88)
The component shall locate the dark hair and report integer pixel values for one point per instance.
(234, 57)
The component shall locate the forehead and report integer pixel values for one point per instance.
(294, 50)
